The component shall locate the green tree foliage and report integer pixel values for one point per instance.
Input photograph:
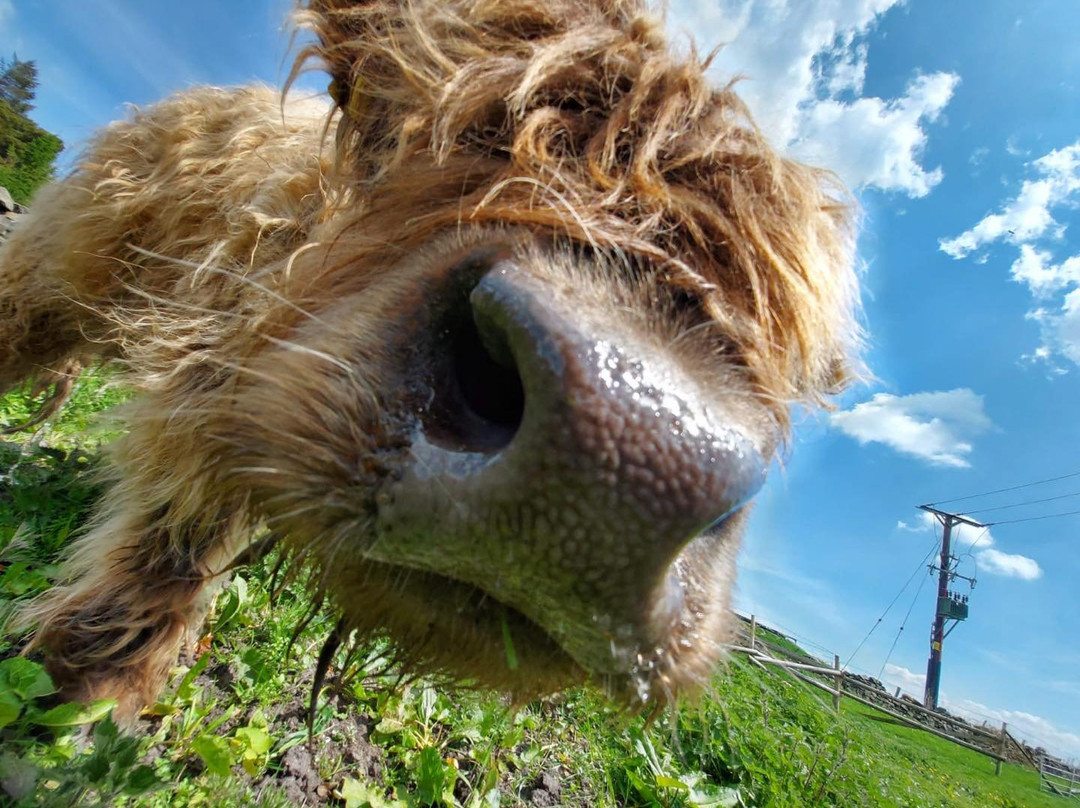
(27, 152)
(18, 81)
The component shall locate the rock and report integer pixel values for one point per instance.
(544, 791)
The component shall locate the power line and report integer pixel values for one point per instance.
(907, 583)
(1021, 504)
(1011, 488)
(1034, 518)
(970, 551)
(903, 623)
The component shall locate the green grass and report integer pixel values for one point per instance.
(231, 728)
(942, 760)
(770, 638)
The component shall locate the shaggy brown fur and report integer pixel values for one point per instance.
(258, 281)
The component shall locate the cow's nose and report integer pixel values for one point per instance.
(562, 467)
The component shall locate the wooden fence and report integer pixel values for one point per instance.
(839, 683)
(1055, 779)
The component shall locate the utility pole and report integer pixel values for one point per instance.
(949, 605)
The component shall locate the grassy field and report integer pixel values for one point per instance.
(231, 728)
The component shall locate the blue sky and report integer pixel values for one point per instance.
(961, 132)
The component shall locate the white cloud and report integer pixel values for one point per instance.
(934, 427)
(1035, 269)
(1009, 565)
(805, 66)
(925, 522)
(774, 43)
(897, 676)
(965, 538)
(874, 142)
(1014, 149)
(968, 539)
(7, 9)
(1067, 326)
(1060, 330)
(979, 544)
(1027, 217)
(847, 73)
(1027, 220)
(1034, 729)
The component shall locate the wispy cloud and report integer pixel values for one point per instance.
(7, 10)
(1068, 687)
(1027, 216)
(923, 523)
(1030, 221)
(768, 586)
(805, 63)
(1015, 150)
(935, 427)
(151, 57)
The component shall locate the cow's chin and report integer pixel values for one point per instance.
(465, 636)
(453, 631)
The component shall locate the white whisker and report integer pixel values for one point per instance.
(293, 346)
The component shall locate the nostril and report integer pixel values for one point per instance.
(488, 377)
(478, 398)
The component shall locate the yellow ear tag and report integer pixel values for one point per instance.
(358, 101)
(352, 103)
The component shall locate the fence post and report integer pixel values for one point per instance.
(838, 679)
(753, 631)
(1001, 747)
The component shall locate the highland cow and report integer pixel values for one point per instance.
(500, 348)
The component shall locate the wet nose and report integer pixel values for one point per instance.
(623, 414)
(563, 466)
